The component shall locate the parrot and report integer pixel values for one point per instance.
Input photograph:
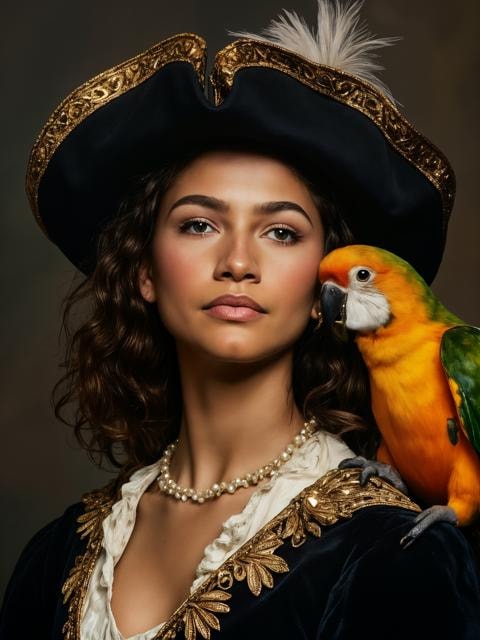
(423, 364)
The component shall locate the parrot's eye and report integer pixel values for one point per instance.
(363, 275)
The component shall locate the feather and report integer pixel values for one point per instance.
(341, 40)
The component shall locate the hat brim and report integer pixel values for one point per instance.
(395, 188)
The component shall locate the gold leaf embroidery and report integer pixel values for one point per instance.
(198, 616)
(257, 563)
(294, 528)
(74, 578)
(336, 495)
(97, 505)
(244, 567)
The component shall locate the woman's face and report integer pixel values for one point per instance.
(235, 223)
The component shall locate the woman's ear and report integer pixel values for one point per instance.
(145, 282)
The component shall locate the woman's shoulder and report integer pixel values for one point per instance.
(372, 520)
(32, 596)
(55, 536)
(428, 589)
(60, 532)
(378, 530)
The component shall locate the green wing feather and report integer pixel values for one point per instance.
(460, 356)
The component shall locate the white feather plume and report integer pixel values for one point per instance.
(341, 39)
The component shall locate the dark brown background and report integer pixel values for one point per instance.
(49, 48)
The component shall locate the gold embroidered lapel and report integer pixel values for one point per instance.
(98, 505)
(335, 496)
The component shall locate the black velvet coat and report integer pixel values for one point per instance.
(328, 567)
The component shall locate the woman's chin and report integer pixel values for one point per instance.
(233, 349)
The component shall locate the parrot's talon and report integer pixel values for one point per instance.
(407, 540)
(366, 474)
(425, 519)
(358, 461)
(374, 468)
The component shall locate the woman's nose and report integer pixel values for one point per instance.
(238, 257)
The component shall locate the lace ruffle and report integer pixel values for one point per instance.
(314, 458)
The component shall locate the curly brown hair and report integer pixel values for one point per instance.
(121, 372)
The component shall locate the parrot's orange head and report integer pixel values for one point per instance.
(366, 287)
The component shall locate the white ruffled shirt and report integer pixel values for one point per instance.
(320, 453)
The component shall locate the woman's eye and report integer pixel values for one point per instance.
(284, 233)
(198, 224)
(199, 227)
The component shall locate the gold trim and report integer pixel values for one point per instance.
(347, 89)
(343, 87)
(335, 496)
(99, 91)
(98, 505)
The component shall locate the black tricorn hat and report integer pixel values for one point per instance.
(395, 188)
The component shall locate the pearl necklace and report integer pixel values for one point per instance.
(170, 487)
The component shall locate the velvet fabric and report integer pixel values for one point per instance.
(353, 582)
(387, 201)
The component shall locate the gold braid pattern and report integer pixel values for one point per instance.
(347, 89)
(98, 505)
(187, 47)
(99, 91)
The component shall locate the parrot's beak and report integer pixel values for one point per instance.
(333, 301)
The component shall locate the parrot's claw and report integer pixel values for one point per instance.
(437, 513)
(373, 468)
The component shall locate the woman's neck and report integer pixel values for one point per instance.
(235, 418)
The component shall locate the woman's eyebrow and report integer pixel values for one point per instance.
(220, 205)
(205, 201)
(283, 205)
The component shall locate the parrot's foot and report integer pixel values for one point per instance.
(437, 513)
(373, 468)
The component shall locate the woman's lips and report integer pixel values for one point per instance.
(227, 312)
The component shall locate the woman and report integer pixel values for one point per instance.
(224, 417)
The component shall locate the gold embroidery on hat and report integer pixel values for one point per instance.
(347, 89)
(99, 91)
(334, 83)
